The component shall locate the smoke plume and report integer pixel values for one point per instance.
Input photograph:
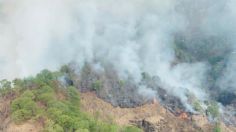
(133, 36)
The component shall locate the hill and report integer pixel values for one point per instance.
(44, 103)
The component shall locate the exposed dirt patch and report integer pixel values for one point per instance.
(97, 107)
(150, 117)
(29, 126)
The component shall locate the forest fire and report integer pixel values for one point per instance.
(183, 116)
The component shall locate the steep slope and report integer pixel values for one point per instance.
(150, 117)
(45, 103)
(42, 103)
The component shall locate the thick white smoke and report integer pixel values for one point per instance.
(134, 36)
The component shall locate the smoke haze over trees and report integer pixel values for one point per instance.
(188, 44)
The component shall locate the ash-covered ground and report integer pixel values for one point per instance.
(128, 94)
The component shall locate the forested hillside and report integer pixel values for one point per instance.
(45, 100)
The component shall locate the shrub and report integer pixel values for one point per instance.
(5, 84)
(46, 98)
(65, 121)
(28, 94)
(5, 87)
(45, 94)
(21, 115)
(23, 102)
(44, 77)
(73, 95)
(58, 105)
(213, 109)
(197, 106)
(54, 113)
(217, 127)
(53, 127)
(44, 89)
(97, 85)
(23, 109)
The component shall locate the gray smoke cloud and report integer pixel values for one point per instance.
(134, 36)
